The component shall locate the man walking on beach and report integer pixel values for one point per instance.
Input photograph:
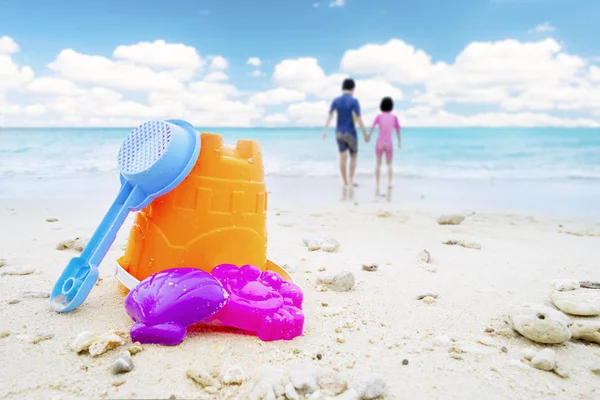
(346, 107)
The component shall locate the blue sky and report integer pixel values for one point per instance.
(274, 30)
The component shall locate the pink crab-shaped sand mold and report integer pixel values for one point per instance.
(164, 304)
(260, 302)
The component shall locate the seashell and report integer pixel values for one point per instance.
(164, 304)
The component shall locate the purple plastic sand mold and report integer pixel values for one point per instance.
(164, 304)
(260, 302)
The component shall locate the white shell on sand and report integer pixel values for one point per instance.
(371, 387)
(370, 267)
(424, 257)
(290, 392)
(450, 219)
(540, 323)
(319, 243)
(584, 302)
(233, 375)
(94, 344)
(544, 360)
(83, 341)
(104, 343)
(73, 243)
(342, 282)
(586, 330)
(330, 245)
(564, 285)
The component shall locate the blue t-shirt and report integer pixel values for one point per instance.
(345, 105)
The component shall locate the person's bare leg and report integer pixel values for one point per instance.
(377, 175)
(343, 162)
(352, 167)
(390, 175)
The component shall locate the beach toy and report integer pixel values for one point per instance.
(163, 305)
(217, 215)
(260, 302)
(153, 159)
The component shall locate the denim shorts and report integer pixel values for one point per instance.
(347, 141)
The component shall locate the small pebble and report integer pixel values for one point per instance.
(428, 300)
(486, 341)
(544, 360)
(324, 304)
(370, 267)
(319, 356)
(122, 364)
(528, 353)
(3, 262)
(119, 382)
(340, 339)
(428, 294)
(51, 219)
(463, 243)
(135, 348)
(322, 269)
(330, 245)
(504, 349)
(304, 377)
(450, 219)
(4, 334)
(405, 362)
(596, 369)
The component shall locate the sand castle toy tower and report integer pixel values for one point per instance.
(216, 215)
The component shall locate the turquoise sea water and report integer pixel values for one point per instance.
(506, 169)
(499, 153)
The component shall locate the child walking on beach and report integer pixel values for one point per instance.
(387, 122)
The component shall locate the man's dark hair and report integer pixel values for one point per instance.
(387, 104)
(348, 84)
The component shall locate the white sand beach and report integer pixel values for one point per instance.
(456, 347)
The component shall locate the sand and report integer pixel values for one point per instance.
(381, 320)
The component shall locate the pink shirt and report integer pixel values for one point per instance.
(387, 123)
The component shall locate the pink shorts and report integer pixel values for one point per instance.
(387, 149)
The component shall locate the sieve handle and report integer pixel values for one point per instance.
(129, 196)
(81, 274)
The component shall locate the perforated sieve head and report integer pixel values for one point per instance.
(144, 146)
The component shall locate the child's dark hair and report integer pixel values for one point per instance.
(387, 104)
(348, 84)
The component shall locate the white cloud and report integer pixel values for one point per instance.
(521, 83)
(98, 70)
(277, 96)
(336, 3)
(11, 75)
(162, 56)
(219, 63)
(54, 86)
(8, 45)
(395, 61)
(545, 27)
(254, 61)
(257, 73)
(216, 76)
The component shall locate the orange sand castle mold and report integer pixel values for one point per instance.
(217, 215)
